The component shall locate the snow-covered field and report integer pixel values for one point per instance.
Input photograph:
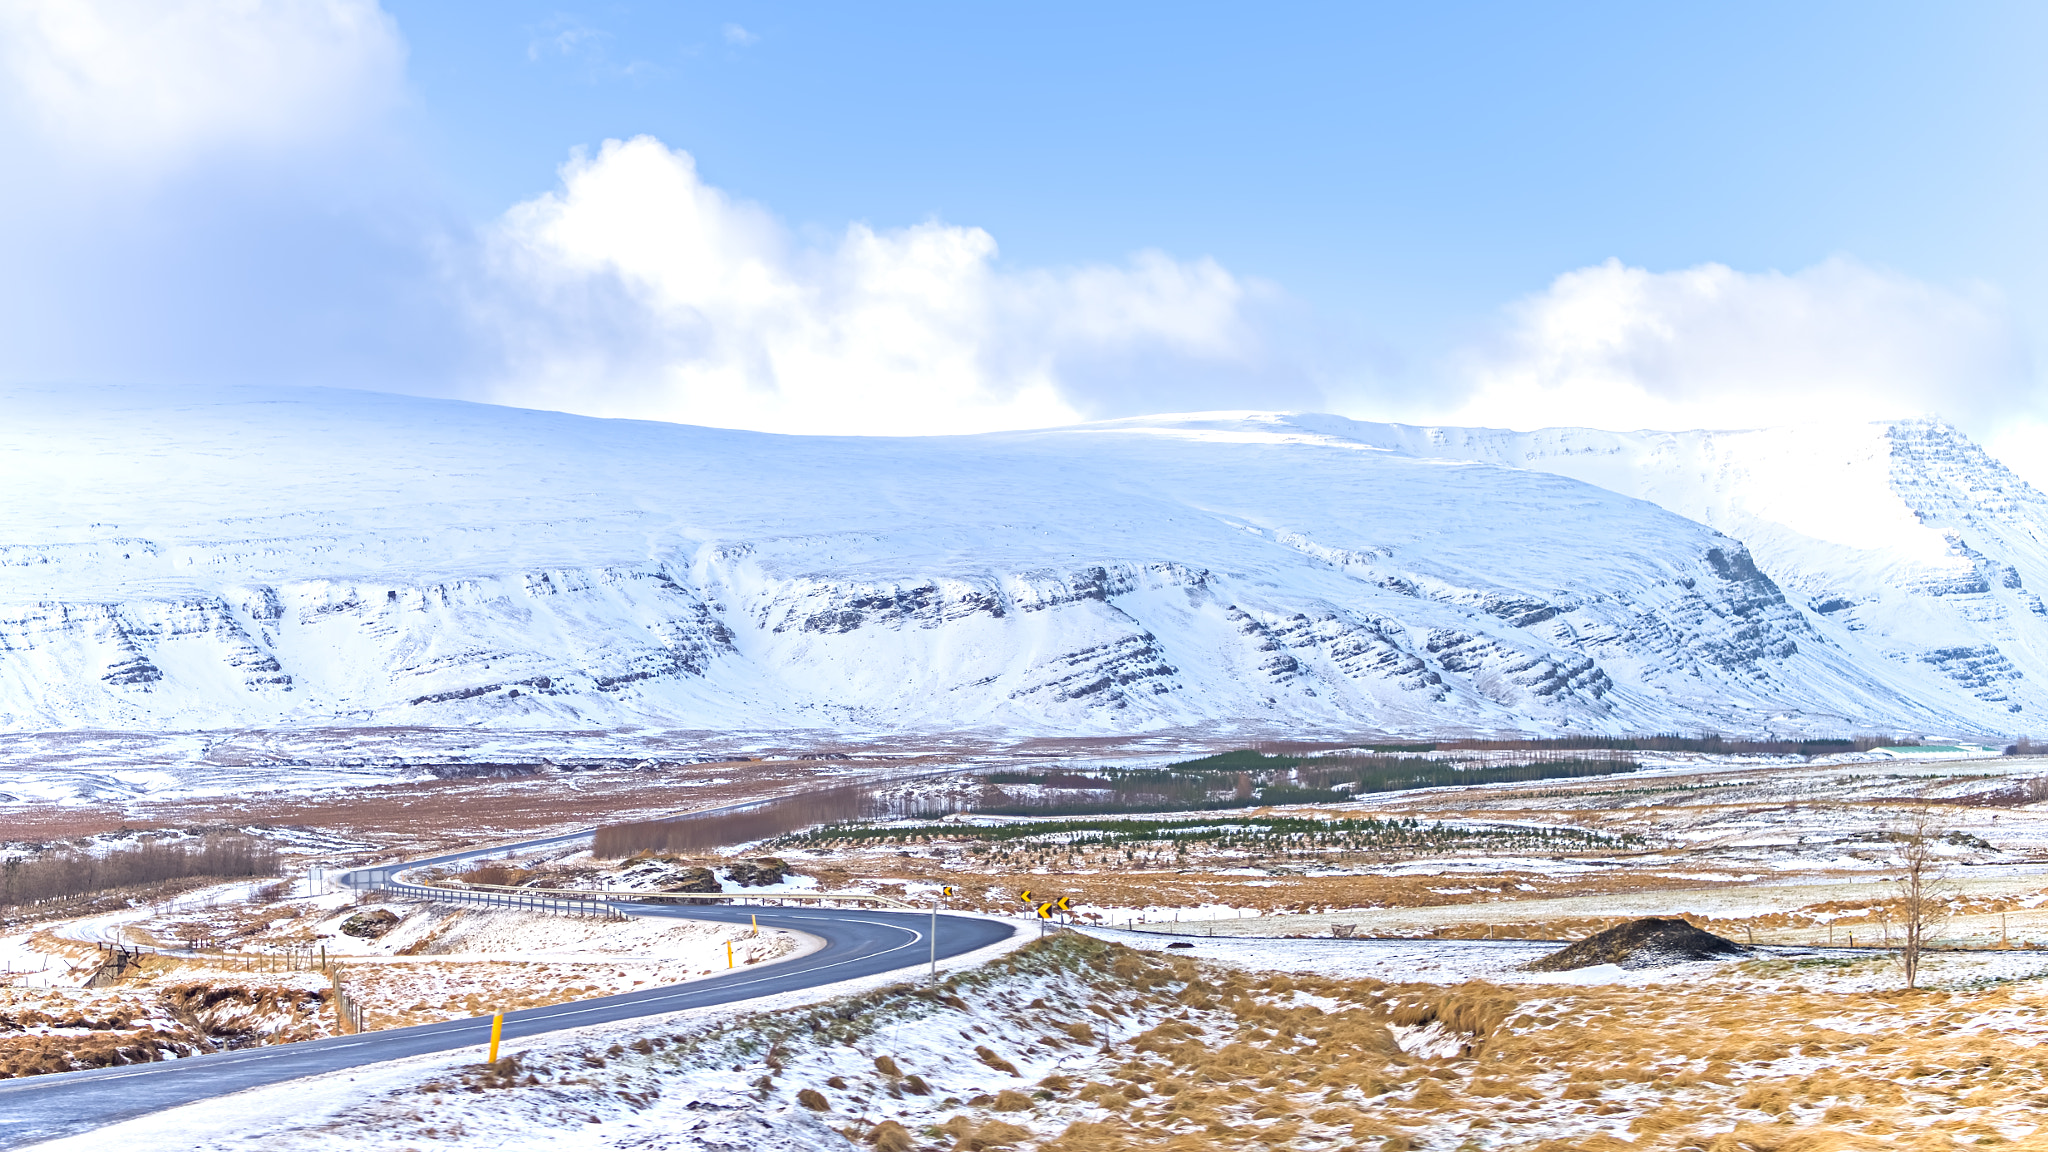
(1504, 962)
(315, 1108)
(272, 557)
(426, 963)
(1070, 1045)
(82, 767)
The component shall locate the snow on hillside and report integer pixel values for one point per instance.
(260, 556)
(1906, 544)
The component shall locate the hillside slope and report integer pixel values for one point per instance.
(1906, 543)
(261, 556)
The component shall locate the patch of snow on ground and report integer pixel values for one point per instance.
(717, 1110)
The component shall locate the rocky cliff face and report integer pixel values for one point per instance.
(1905, 544)
(277, 556)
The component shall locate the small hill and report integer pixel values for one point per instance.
(1651, 942)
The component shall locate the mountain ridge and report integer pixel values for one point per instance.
(240, 557)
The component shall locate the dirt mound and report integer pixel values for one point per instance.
(1651, 942)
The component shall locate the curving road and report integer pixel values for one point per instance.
(858, 942)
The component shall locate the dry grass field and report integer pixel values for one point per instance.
(1077, 1045)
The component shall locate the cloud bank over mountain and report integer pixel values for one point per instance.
(637, 289)
(1709, 346)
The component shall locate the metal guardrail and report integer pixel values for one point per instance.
(576, 899)
(509, 900)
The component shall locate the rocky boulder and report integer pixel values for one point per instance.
(758, 873)
(370, 925)
(693, 879)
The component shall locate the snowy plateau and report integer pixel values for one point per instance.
(255, 557)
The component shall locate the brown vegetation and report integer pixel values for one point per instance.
(71, 871)
(1235, 1060)
(424, 816)
(1923, 895)
(1188, 1057)
(40, 1033)
(700, 834)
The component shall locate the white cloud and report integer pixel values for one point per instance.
(637, 289)
(734, 34)
(2020, 441)
(161, 83)
(565, 36)
(1617, 347)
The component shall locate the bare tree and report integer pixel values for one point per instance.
(70, 871)
(694, 835)
(1924, 891)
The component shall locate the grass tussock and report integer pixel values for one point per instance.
(1238, 1060)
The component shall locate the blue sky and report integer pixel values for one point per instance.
(1827, 208)
(1414, 161)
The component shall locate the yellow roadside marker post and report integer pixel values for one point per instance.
(497, 1030)
(942, 892)
(728, 953)
(755, 919)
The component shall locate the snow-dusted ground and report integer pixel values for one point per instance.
(328, 1107)
(690, 947)
(99, 767)
(259, 557)
(24, 965)
(1504, 962)
(730, 1078)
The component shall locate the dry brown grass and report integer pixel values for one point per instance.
(154, 1019)
(889, 1136)
(430, 815)
(1254, 1061)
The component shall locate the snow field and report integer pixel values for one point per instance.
(437, 963)
(1077, 1043)
(348, 1108)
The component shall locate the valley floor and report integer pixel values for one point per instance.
(1217, 994)
(1075, 1043)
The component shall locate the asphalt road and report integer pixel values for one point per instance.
(858, 943)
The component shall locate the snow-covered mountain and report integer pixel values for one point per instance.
(251, 556)
(1904, 542)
